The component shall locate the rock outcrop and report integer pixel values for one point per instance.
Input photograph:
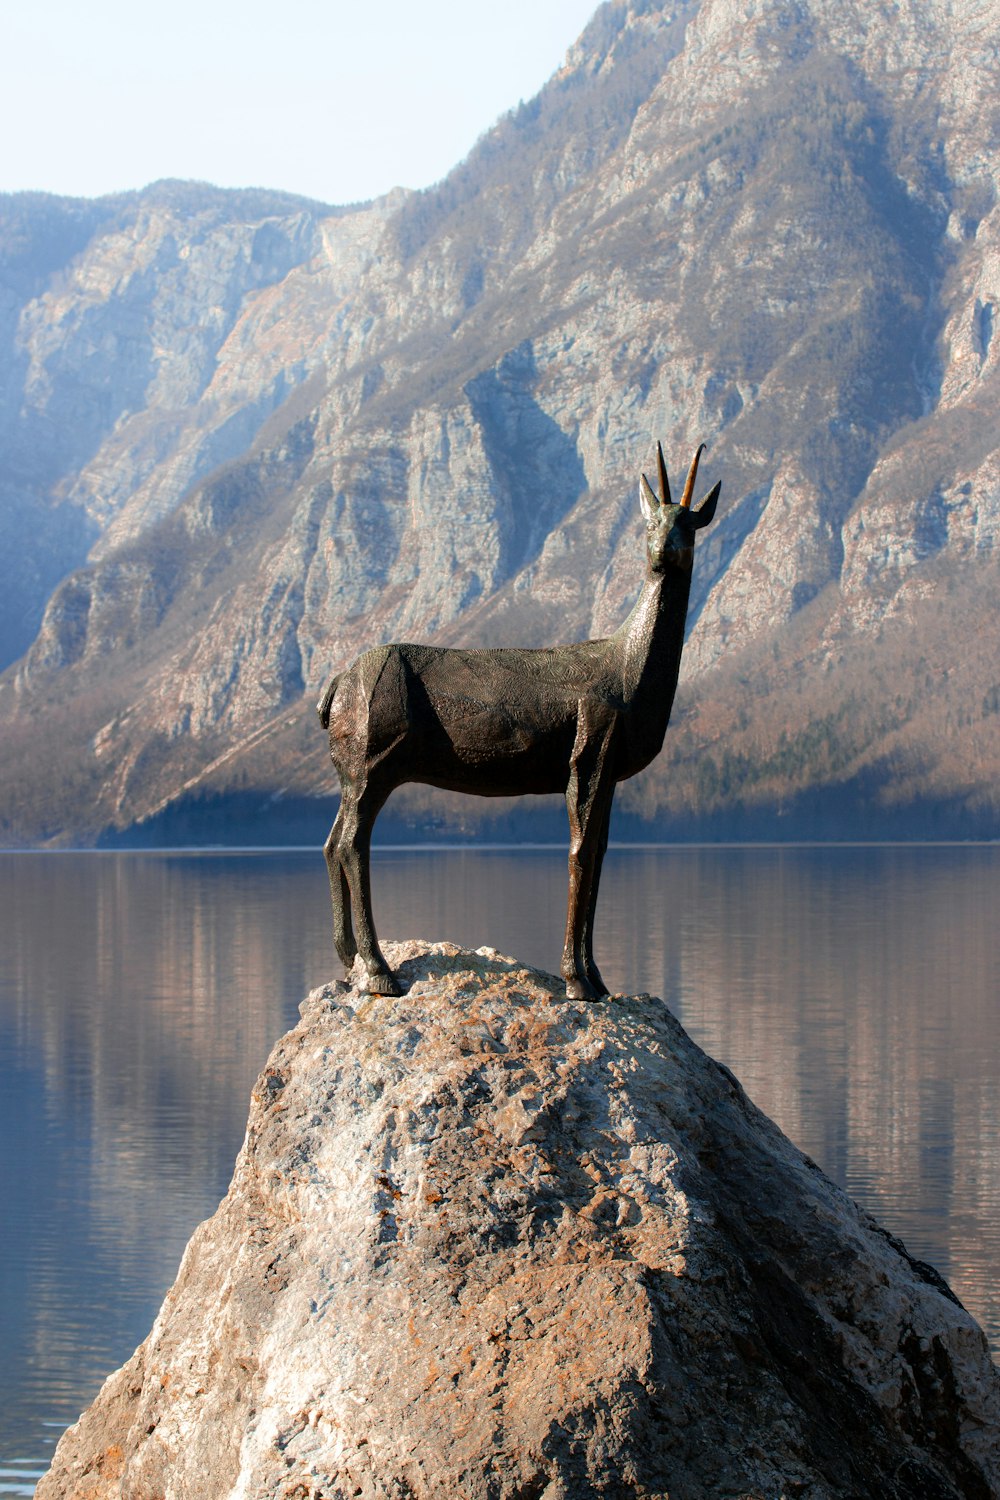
(485, 1242)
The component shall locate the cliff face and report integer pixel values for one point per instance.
(483, 1241)
(138, 352)
(773, 227)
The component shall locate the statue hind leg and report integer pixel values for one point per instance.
(340, 895)
(359, 810)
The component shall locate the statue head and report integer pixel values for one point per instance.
(670, 528)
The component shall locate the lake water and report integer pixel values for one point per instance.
(853, 990)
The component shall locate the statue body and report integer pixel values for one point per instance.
(573, 719)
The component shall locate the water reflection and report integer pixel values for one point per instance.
(853, 991)
(138, 997)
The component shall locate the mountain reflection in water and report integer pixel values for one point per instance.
(852, 990)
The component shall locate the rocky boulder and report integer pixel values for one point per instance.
(482, 1241)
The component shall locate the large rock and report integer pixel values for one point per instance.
(482, 1241)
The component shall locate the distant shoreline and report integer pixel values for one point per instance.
(515, 847)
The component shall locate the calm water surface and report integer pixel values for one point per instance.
(854, 992)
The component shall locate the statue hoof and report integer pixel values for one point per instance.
(579, 988)
(382, 984)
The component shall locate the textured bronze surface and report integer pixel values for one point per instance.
(498, 723)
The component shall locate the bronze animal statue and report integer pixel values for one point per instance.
(499, 723)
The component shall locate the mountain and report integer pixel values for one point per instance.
(245, 436)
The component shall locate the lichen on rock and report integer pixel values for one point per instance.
(482, 1241)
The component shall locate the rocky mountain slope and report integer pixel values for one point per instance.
(245, 437)
(482, 1241)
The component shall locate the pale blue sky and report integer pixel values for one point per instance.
(339, 100)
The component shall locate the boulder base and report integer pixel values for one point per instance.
(482, 1241)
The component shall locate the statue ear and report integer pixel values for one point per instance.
(648, 501)
(706, 510)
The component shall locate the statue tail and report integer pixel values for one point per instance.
(326, 702)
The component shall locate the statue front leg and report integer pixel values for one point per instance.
(591, 970)
(588, 803)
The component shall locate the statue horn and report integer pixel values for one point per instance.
(664, 481)
(692, 474)
(646, 490)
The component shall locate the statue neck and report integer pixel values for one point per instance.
(652, 637)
